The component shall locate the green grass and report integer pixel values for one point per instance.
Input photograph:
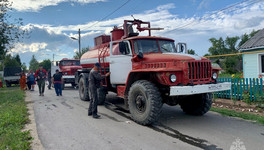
(227, 75)
(243, 115)
(13, 117)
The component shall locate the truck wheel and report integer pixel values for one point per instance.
(62, 86)
(197, 104)
(8, 84)
(83, 89)
(101, 95)
(145, 102)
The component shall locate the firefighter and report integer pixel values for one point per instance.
(57, 81)
(41, 75)
(94, 83)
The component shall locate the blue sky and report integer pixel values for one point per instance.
(52, 22)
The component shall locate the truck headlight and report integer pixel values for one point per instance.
(214, 75)
(173, 78)
(65, 73)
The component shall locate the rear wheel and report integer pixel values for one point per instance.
(197, 104)
(145, 102)
(83, 89)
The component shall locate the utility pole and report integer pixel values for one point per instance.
(79, 43)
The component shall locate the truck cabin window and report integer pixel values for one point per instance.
(154, 46)
(70, 63)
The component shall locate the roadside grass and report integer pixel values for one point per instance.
(13, 117)
(243, 115)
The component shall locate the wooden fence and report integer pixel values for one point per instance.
(240, 87)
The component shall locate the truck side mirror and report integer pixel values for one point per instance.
(123, 48)
(140, 55)
(181, 47)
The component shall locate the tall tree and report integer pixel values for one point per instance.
(231, 43)
(78, 55)
(33, 64)
(10, 31)
(10, 61)
(17, 57)
(46, 64)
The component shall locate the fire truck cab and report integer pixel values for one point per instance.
(147, 71)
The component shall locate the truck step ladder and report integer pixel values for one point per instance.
(102, 52)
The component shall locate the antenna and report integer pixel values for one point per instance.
(133, 17)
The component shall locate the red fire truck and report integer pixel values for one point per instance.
(148, 71)
(67, 67)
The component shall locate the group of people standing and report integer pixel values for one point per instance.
(40, 76)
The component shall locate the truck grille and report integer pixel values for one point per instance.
(199, 70)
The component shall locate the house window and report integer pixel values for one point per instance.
(262, 63)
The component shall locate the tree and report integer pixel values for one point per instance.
(10, 31)
(245, 37)
(46, 64)
(191, 51)
(33, 64)
(84, 50)
(220, 47)
(24, 66)
(10, 61)
(17, 57)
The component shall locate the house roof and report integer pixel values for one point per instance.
(257, 41)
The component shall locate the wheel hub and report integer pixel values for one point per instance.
(140, 103)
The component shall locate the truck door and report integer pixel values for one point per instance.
(120, 62)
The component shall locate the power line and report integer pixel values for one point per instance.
(216, 12)
(109, 14)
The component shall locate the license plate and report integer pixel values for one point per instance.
(214, 87)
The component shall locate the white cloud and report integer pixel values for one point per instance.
(33, 47)
(204, 4)
(36, 5)
(195, 31)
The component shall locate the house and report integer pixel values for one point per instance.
(253, 59)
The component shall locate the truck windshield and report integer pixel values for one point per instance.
(154, 46)
(70, 63)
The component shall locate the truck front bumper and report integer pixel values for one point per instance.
(199, 89)
(68, 78)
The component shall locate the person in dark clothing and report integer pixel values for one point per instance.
(49, 79)
(57, 80)
(31, 80)
(41, 75)
(94, 83)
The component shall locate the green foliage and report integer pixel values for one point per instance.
(10, 61)
(230, 64)
(78, 55)
(13, 117)
(11, 31)
(17, 58)
(246, 37)
(243, 115)
(191, 51)
(33, 64)
(228, 75)
(46, 64)
(220, 47)
(24, 67)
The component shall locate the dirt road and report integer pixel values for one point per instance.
(63, 124)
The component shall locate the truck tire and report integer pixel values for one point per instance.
(101, 95)
(145, 102)
(197, 104)
(62, 86)
(83, 89)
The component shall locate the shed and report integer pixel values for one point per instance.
(253, 60)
